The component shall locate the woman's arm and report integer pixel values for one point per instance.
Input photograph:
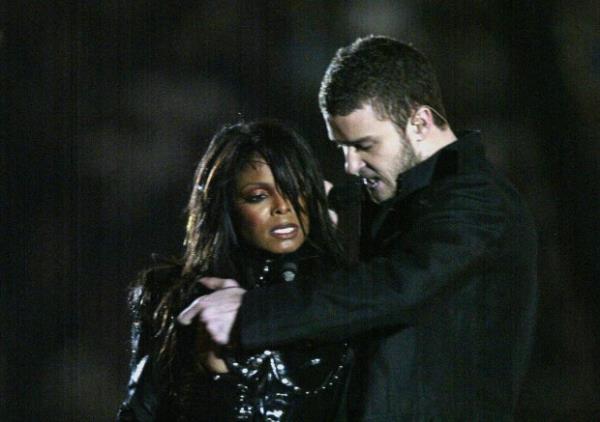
(142, 398)
(141, 401)
(207, 353)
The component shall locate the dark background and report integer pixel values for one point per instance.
(109, 104)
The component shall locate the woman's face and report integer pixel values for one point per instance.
(265, 219)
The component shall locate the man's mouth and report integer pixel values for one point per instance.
(370, 182)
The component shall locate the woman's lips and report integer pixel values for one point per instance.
(285, 231)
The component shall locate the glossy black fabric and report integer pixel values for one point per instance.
(303, 381)
(444, 297)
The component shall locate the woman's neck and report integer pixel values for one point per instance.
(259, 267)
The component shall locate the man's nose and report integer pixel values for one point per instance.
(353, 162)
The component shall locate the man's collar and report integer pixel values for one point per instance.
(446, 160)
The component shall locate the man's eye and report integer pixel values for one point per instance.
(357, 147)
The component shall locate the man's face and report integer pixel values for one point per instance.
(374, 149)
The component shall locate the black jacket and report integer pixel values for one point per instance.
(444, 296)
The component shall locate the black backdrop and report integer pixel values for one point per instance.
(109, 104)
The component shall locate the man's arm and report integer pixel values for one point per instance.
(426, 265)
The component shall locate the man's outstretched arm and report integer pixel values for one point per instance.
(426, 265)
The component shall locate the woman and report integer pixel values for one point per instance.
(258, 214)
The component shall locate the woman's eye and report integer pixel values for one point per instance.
(255, 198)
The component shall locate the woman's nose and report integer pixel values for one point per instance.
(353, 162)
(280, 204)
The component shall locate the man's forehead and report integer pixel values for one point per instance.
(338, 136)
(354, 127)
(332, 131)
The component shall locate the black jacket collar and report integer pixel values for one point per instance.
(452, 159)
(447, 161)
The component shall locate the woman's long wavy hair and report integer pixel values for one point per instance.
(211, 242)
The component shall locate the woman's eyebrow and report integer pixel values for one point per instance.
(257, 185)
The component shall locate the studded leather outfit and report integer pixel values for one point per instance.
(303, 381)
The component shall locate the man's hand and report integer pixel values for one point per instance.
(332, 214)
(217, 310)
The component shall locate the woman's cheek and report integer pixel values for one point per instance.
(253, 218)
(251, 221)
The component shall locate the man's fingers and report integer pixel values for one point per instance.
(186, 316)
(213, 305)
(333, 216)
(219, 331)
(215, 311)
(216, 283)
(205, 310)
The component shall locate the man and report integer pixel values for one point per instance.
(444, 294)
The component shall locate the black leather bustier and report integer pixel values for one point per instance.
(302, 381)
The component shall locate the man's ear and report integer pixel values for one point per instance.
(418, 123)
(422, 119)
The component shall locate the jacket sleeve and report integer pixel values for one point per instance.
(142, 400)
(447, 241)
(143, 394)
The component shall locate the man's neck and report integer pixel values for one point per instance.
(438, 138)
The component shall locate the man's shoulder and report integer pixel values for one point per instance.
(464, 167)
(471, 193)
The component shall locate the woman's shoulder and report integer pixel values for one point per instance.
(152, 283)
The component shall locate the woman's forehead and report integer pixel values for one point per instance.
(279, 173)
(254, 171)
(254, 163)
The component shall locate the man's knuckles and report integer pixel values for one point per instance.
(215, 283)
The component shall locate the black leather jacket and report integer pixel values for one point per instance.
(302, 381)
